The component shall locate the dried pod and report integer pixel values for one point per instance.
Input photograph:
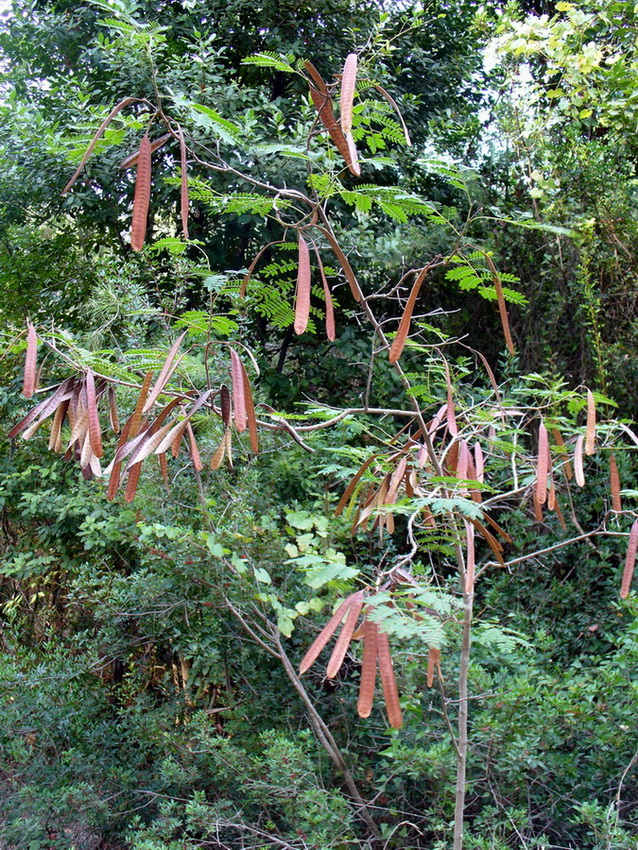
(302, 292)
(630, 561)
(30, 382)
(542, 464)
(614, 484)
(142, 197)
(590, 431)
(398, 344)
(348, 83)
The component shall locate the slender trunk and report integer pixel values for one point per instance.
(462, 742)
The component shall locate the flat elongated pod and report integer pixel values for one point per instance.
(323, 104)
(398, 344)
(142, 196)
(348, 83)
(168, 367)
(579, 473)
(239, 392)
(470, 559)
(630, 561)
(388, 681)
(368, 669)
(184, 182)
(330, 313)
(327, 632)
(590, 431)
(614, 484)
(343, 501)
(29, 384)
(345, 636)
(542, 465)
(95, 432)
(302, 292)
(434, 663)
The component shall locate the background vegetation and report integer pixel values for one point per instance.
(145, 700)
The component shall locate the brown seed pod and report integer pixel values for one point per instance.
(630, 561)
(398, 343)
(302, 292)
(142, 197)
(29, 384)
(348, 83)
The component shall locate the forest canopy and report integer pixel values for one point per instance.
(317, 447)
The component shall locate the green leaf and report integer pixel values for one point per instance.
(262, 575)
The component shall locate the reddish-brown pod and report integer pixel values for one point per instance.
(614, 484)
(142, 195)
(348, 82)
(542, 465)
(630, 561)
(28, 387)
(302, 298)
(590, 432)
